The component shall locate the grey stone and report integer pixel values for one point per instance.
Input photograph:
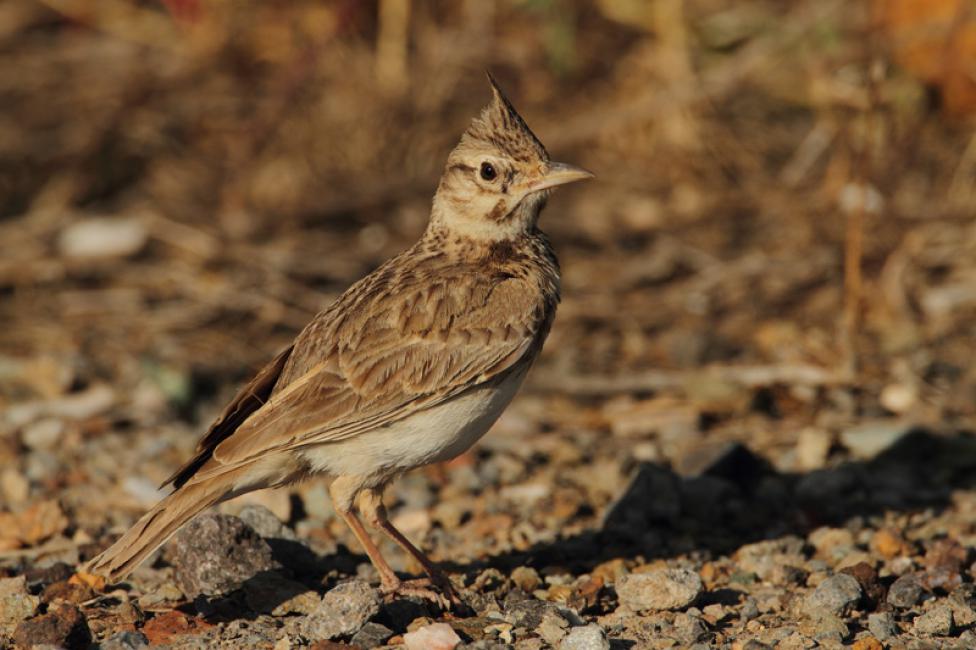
(214, 554)
(830, 627)
(265, 523)
(660, 589)
(905, 592)
(128, 640)
(343, 611)
(935, 622)
(552, 628)
(837, 596)
(371, 635)
(882, 626)
(16, 603)
(528, 613)
(588, 637)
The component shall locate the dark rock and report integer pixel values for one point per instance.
(343, 611)
(64, 627)
(71, 592)
(128, 640)
(871, 587)
(38, 576)
(527, 613)
(905, 592)
(371, 635)
(214, 554)
(835, 596)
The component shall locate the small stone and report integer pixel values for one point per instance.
(127, 640)
(882, 625)
(526, 578)
(436, 636)
(889, 544)
(831, 628)
(265, 523)
(371, 635)
(343, 611)
(63, 627)
(102, 237)
(812, 448)
(867, 643)
(962, 600)
(16, 603)
(935, 622)
(215, 554)
(837, 596)
(71, 592)
(270, 593)
(868, 440)
(659, 589)
(587, 637)
(905, 592)
(527, 613)
(552, 628)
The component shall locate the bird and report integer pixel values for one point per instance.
(410, 366)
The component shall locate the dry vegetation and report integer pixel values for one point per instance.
(779, 251)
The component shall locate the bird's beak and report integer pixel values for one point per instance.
(559, 174)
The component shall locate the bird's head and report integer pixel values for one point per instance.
(498, 177)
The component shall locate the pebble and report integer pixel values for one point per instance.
(935, 622)
(526, 578)
(436, 636)
(868, 440)
(882, 625)
(659, 589)
(102, 237)
(837, 596)
(587, 637)
(371, 635)
(127, 640)
(265, 523)
(214, 554)
(343, 611)
(905, 592)
(16, 603)
(63, 626)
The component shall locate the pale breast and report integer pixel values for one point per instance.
(430, 436)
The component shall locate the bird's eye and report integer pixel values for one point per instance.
(488, 171)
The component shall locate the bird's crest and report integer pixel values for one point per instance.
(499, 125)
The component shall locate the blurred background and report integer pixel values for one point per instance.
(779, 246)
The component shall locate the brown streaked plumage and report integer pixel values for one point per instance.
(410, 366)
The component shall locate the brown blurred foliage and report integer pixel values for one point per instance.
(183, 184)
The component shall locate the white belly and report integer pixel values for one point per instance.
(431, 436)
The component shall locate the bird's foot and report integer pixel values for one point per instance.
(438, 590)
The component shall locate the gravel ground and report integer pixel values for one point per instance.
(752, 424)
(564, 528)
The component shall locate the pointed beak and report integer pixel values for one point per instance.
(560, 174)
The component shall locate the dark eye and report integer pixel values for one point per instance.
(488, 171)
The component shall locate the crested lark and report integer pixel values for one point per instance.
(410, 366)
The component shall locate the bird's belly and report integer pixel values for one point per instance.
(436, 434)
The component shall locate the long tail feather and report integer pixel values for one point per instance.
(157, 526)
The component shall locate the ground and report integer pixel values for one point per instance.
(752, 425)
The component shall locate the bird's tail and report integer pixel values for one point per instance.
(157, 526)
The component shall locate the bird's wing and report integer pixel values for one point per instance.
(250, 398)
(386, 353)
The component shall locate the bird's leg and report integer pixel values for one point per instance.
(371, 505)
(388, 579)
